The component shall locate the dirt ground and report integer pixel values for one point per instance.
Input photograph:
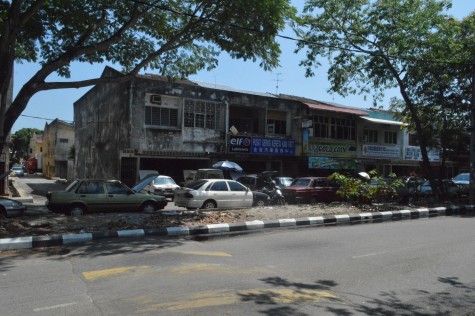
(39, 221)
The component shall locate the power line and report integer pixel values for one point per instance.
(299, 40)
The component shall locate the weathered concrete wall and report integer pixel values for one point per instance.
(181, 139)
(102, 130)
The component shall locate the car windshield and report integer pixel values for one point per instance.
(300, 183)
(163, 181)
(72, 185)
(461, 177)
(286, 181)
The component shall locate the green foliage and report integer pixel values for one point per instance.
(415, 46)
(358, 191)
(175, 38)
(21, 142)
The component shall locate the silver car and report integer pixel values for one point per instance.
(213, 193)
(11, 208)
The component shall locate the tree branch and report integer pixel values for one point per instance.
(84, 83)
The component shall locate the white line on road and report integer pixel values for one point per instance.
(368, 255)
(40, 309)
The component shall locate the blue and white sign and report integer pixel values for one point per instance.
(272, 146)
(382, 152)
(414, 153)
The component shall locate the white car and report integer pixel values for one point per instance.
(213, 193)
(165, 186)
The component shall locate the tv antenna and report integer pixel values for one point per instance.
(277, 80)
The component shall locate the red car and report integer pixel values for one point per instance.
(311, 190)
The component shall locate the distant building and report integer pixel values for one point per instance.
(58, 138)
(36, 150)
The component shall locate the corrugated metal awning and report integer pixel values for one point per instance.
(381, 121)
(334, 108)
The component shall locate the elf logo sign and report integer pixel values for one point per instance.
(239, 144)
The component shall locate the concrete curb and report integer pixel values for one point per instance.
(224, 228)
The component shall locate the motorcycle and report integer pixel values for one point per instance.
(275, 194)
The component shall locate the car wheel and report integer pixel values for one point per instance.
(77, 210)
(313, 201)
(148, 207)
(209, 204)
(260, 203)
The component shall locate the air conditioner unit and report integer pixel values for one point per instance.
(156, 99)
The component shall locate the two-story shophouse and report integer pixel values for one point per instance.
(151, 123)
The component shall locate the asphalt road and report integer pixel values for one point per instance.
(417, 267)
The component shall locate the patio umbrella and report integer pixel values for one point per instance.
(227, 165)
(364, 175)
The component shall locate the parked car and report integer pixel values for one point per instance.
(395, 189)
(260, 180)
(214, 193)
(165, 186)
(311, 190)
(17, 171)
(11, 208)
(283, 182)
(448, 189)
(462, 180)
(206, 173)
(253, 181)
(260, 199)
(89, 196)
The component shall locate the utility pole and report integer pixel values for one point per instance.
(472, 140)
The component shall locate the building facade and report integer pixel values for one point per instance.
(58, 140)
(151, 123)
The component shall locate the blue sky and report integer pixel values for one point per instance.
(288, 79)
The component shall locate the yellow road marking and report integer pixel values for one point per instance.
(93, 275)
(227, 297)
(214, 268)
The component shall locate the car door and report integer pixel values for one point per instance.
(120, 197)
(93, 194)
(240, 195)
(219, 192)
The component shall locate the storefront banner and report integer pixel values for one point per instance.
(239, 144)
(272, 146)
(331, 150)
(414, 153)
(382, 152)
(329, 163)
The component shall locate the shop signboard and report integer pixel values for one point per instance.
(413, 153)
(272, 146)
(331, 150)
(331, 163)
(239, 144)
(381, 152)
(262, 146)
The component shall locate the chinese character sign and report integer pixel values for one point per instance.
(272, 146)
